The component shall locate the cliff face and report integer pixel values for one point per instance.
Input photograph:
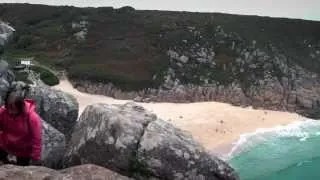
(176, 56)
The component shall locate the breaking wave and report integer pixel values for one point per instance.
(271, 150)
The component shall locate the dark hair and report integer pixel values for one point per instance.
(18, 95)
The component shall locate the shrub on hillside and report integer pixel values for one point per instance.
(24, 42)
(84, 72)
(46, 76)
(125, 9)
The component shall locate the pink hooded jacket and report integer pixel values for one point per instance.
(17, 136)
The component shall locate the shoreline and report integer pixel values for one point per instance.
(215, 125)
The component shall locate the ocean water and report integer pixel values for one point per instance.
(289, 152)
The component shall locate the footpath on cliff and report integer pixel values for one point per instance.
(216, 125)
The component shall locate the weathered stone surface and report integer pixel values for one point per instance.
(270, 92)
(307, 93)
(83, 172)
(170, 153)
(54, 146)
(11, 172)
(57, 108)
(108, 135)
(6, 78)
(104, 89)
(6, 32)
(132, 141)
(89, 171)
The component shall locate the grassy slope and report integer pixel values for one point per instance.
(124, 46)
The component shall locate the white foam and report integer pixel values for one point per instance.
(298, 129)
(306, 137)
(303, 162)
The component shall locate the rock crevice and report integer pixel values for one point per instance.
(135, 165)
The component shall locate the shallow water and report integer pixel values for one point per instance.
(283, 153)
(306, 170)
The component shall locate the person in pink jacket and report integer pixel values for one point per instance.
(20, 130)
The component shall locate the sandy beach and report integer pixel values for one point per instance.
(215, 125)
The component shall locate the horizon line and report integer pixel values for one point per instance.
(175, 10)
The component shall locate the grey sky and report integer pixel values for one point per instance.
(302, 9)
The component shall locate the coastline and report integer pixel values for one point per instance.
(215, 125)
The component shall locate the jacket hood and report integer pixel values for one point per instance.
(30, 105)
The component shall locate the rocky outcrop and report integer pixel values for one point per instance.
(134, 142)
(227, 68)
(6, 78)
(6, 32)
(168, 152)
(57, 108)
(54, 146)
(182, 93)
(83, 172)
(300, 95)
(104, 89)
(110, 131)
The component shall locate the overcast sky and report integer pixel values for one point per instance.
(302, 9)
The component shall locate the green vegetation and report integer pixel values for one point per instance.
(48, 77)
(127, 47)
(46, 74)
(139, 169)
(97, 73)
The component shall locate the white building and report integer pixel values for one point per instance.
(27, 62)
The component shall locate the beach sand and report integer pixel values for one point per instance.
(215, 125)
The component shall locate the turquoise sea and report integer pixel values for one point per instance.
(289, 152)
